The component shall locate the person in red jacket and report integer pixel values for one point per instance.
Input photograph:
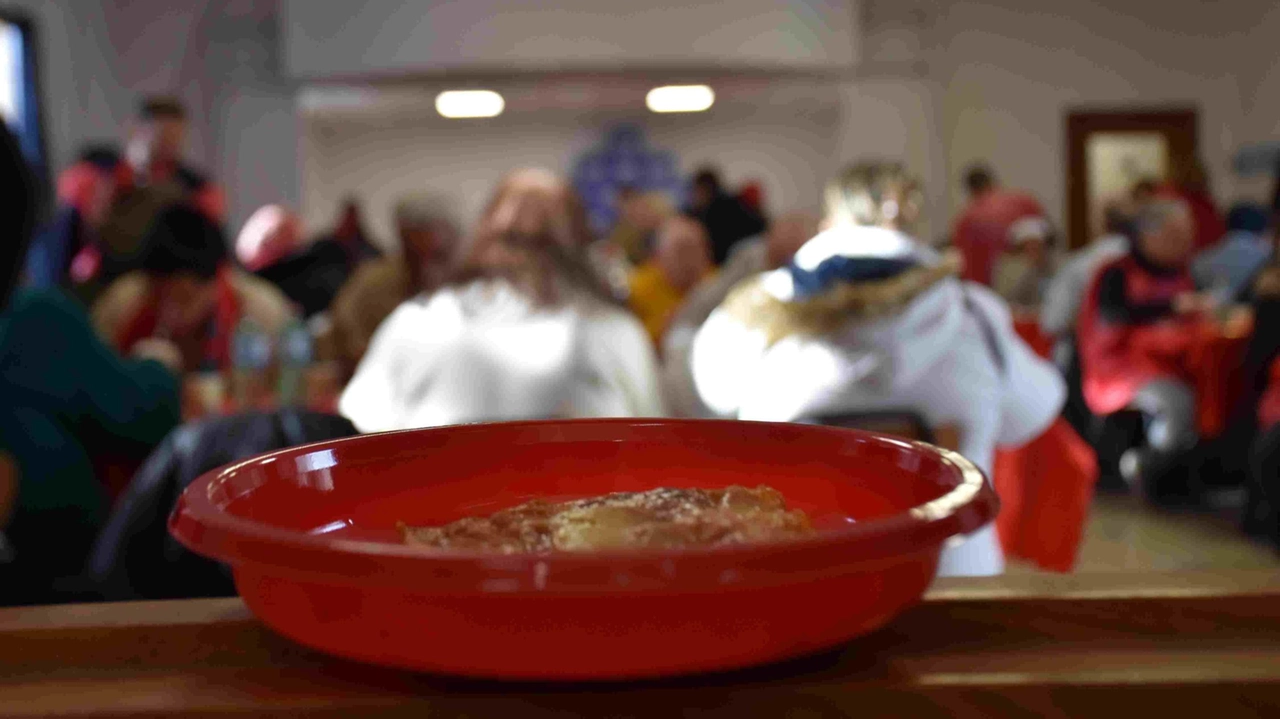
(154, 151)
(994, 215)
(1134, 336)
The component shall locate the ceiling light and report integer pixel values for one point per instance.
(680, 98)
(469, 103)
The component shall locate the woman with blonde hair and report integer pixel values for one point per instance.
(524, 329)
(867, 319)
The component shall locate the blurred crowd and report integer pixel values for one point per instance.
(133, 292)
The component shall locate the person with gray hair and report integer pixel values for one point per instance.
(1134, 339)
(429, 251)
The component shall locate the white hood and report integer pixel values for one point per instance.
(739, 372)
(889, 351)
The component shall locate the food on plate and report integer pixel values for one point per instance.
(663, 518)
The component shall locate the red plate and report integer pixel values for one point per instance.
(310, 533)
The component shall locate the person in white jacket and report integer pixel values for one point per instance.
(866, 318)
(524, 330)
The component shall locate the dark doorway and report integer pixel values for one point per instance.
(1109, 150)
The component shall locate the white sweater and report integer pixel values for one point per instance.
(483, 352)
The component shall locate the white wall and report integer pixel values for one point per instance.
(84, 100)
(98, 58)
(942, 84)
(1010, 72)
(377, 37)
(791, 152)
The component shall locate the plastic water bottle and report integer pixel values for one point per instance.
(295, 352)
(250, 360)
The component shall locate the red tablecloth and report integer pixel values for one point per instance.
(1045, 486)
(1216, 355)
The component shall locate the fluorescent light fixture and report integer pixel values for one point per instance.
(680, 98)
(469, 103)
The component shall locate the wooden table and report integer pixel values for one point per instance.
(1204, 644)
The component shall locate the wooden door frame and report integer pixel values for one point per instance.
(1181, 124)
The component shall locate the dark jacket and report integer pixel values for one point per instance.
(65, 397)
(727, 222)
(134, 557)
(312, 276)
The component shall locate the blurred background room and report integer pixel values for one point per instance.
(1039, 233)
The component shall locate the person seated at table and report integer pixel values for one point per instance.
(429, 246)
(1227, 268)
(524, 329)
(1133, 336)
(681, 259)
(64, 397)
(747, 259)
(865, 318)
(65, 250)
(187, 292)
